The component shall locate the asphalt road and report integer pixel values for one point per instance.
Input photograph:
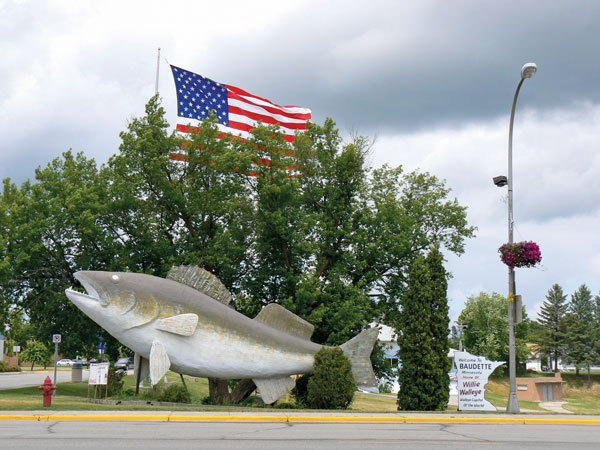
(265, 436)
(27, 378)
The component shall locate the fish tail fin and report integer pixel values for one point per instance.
(358, 351)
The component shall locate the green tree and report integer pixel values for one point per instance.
(349, 235)
(332, 242)
(423, 343)
(552, 320)
(331, 385)
(581, 331)
(54, 228)
(486, 317)
(35, 352)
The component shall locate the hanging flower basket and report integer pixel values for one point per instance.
(520, 254)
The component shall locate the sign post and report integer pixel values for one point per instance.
(98, 377)
(16, 351)
(56, 338)
(101, 349)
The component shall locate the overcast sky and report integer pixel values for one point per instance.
(432, 80)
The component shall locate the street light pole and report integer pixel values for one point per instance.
(527, 71)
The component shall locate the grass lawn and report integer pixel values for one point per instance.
(74, 396)
(582, 399)
(374, 403)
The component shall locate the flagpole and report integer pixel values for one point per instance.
(157, 72)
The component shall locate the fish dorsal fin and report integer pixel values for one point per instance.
(201, 280)
(278, 317)
(182, 324)
(159, 362)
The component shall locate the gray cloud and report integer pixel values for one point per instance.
(396, 67)
(377, 67)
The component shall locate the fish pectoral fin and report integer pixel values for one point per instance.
(159, 362)
(182, 324)
(272, 389)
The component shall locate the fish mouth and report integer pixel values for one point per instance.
(91, 292)
(79, 297)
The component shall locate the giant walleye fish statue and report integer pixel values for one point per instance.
(177, 323)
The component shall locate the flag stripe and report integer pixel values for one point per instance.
(241, 126)
(287, 109)
(253, 119)
(268, 108)
(236, 132)
(262, 115)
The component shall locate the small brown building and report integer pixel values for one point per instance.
(540, 389)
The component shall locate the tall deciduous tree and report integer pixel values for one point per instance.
(486, 334)
(552, 320)
(332, 241)
(54, 228)
(423, 339)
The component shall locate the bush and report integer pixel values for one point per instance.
(331, 385)
(175, 393)
(115, 381)
(385, 387)
(300, 391)
(4, 367)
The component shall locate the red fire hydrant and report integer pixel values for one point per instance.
(47, 390)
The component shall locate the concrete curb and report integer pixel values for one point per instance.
(186, 417)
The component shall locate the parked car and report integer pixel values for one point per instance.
(124, 364)
(64, 363)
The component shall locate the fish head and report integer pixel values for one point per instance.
(117, 301)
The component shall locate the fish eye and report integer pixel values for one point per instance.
(115, 278)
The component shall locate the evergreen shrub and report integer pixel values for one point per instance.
(331, 385)
(300, 391)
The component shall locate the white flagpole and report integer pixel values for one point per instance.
(157, 72)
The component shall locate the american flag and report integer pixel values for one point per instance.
(237, 111)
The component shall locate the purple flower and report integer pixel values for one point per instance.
(520, 254)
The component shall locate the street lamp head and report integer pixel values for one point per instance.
(528, 70)
(500, 181)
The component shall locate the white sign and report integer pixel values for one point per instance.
(472, 375)
(98, 373)
(16, 348)
(56, 338)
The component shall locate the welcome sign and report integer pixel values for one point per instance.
(472, 375)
